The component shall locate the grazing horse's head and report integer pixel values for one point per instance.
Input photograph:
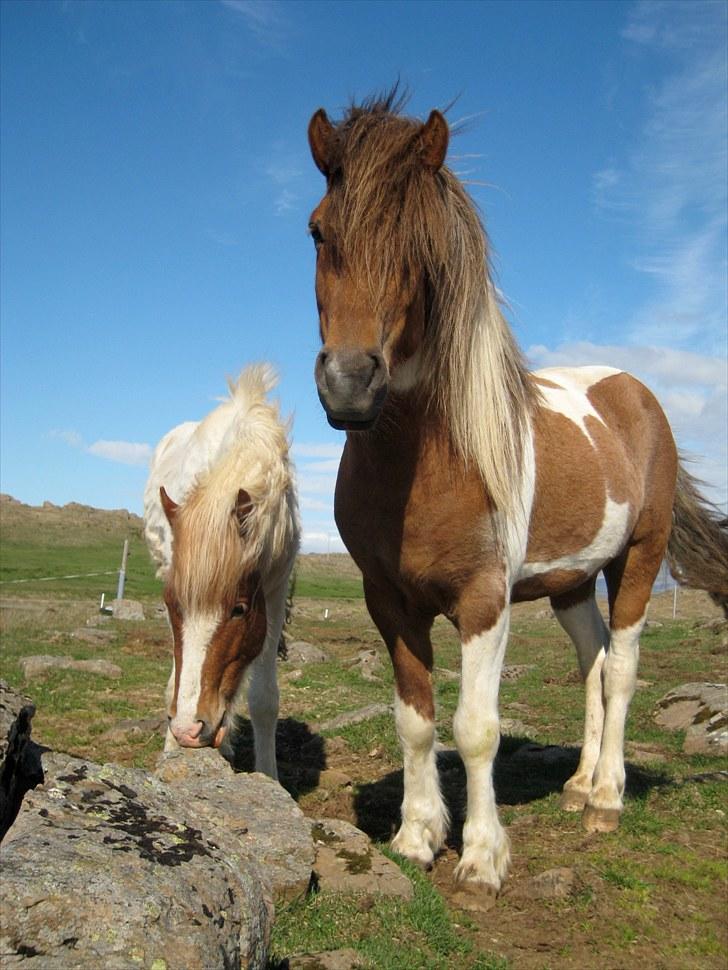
(381, 236)
(217, 612)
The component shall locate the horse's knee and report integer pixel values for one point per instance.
(476, 738)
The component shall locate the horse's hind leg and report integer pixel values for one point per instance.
(579, 616)
(629, 584)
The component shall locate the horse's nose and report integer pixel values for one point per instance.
(352, 385)
(191, 735)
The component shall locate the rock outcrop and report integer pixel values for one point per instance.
(701, 710)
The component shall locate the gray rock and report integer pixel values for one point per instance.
(300, 652)
(346, 861)
(127, 610)
(134, 727)
(20, 766)
(368, 663)
(39, 665)
(269, 828)
(701, 710)
(92, 635)
(107, 867)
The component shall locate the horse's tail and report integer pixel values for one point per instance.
(697, 550)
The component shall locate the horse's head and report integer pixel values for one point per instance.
(376, 250)
(218, 617)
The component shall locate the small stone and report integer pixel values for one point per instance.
(127, 610)
(39, 665)
(347, 862)
(300, 652)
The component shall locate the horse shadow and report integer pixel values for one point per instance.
(300, 753)
(523, 772)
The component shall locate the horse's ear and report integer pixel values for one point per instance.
(434, 136)
(243, 508)
(320, 131)
(170, 507)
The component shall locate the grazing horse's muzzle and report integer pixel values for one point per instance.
(352, 385)
(199, 735)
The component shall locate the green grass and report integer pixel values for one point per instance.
(389, 934)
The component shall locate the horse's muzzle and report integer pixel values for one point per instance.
(352, 385)
(200, 735)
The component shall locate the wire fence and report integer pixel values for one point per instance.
(50, 579)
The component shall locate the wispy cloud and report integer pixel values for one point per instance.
(264, 19)
(123, 452)
(672, 186)
(316, 466)
(284, 171)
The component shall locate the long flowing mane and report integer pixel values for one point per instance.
(241, 444)
(388, 217)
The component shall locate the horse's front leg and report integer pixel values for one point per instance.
(483, 622)
(263, 693)
(406, 633)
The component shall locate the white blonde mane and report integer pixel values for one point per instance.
(242, 444)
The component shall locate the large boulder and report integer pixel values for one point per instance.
(109, 867)
(701, 710)
(268, 826)
(20, 766)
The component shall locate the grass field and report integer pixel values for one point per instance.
(652, 894)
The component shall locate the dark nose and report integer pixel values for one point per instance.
(352, 386)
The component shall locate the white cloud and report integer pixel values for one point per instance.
(317, 541)
(123, 452)
(308, 450)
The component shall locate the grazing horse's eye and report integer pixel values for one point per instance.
(240, 609)
(315, 231)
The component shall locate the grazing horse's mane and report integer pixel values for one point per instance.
(212, 549)
(388, 217)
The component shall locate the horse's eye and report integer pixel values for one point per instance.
(240, 609)
(315, 232)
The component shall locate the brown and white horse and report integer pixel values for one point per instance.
(467, 483)
(225, 549)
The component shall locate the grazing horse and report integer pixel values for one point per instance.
(225, 548)
(467, 483)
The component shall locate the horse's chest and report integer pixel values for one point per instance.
(425, 528)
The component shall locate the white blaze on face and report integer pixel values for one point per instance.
(197, 631)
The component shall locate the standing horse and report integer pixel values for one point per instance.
(225, 549)
(467, 483)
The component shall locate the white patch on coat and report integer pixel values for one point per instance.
(570, 396)
(197, 632)
(603, 547)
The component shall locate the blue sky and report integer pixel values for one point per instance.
(156, 187)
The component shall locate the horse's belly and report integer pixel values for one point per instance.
(561, 573)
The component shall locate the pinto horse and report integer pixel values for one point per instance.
(225, 549)
(467, 483)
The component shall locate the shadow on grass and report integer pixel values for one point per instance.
(524, 772)
(300, 753)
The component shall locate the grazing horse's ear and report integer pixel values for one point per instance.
(243, 508)
(434, 136)
(320, 130)
(170, 507)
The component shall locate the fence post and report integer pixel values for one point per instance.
(122, 571)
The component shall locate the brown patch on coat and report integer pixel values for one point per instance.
(570, 491)
(649, 446)
(554, 583)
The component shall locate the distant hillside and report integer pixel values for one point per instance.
(71, 524)
(44, 541)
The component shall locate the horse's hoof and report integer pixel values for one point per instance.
(573, 801)
(600, 819)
